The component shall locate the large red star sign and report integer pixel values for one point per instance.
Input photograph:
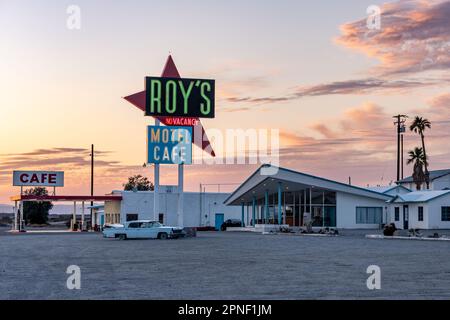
(138, 100)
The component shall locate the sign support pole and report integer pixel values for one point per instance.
(156, 186)
(74, 216)
(21, 224)
(82, 216)
(16, 224)
(180, 195)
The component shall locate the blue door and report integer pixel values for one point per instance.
(220, 218)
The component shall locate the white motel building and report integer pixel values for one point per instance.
(295, 198)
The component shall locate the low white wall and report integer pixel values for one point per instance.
(441, 182)
(414, 222)
(346, 210)
(431, 214)
(437, 184)
(391, 215)
(435, 212)
(141, 203)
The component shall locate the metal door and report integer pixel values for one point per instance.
(405, 217)
(220, 218)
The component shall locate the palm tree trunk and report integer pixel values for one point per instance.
(427, 174)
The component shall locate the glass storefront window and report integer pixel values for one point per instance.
(322, 211)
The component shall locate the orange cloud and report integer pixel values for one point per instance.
(361, 144)
(323, 130)
(75, 162)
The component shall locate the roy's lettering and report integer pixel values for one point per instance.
(180, 97)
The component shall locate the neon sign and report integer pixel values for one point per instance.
(180, 97)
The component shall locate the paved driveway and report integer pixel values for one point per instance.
(221, 266)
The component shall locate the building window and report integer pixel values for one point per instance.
(420, 213)
(111, 218)
(397, 214)
(161, 218)
(132, 217)
(369, 215)
(445, 214)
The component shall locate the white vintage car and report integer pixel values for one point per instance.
(143, 229)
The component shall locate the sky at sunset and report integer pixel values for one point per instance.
(311, 69)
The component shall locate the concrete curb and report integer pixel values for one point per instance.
(377, 236)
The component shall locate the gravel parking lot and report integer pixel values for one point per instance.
(221, 266)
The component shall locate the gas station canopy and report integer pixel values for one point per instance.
(25, 197)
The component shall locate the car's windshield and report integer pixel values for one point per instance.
(134, 225)
(150, 224)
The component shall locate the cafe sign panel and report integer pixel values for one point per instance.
(38, 178)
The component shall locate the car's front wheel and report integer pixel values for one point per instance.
(122, 237)
(163, 236)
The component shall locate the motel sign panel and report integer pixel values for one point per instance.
(38, 178)
(169, 145)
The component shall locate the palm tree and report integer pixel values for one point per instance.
(419, 126)
(417, 157)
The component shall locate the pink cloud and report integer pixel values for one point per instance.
(440, 106)
(413, 37)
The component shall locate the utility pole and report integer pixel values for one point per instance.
(92, 180)
(400, 122)
(200, 205)
(403, 162)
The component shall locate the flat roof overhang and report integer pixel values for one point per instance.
(292, 181)
(25, 197)
(271, 185)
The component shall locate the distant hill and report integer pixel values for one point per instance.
(6, 208)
